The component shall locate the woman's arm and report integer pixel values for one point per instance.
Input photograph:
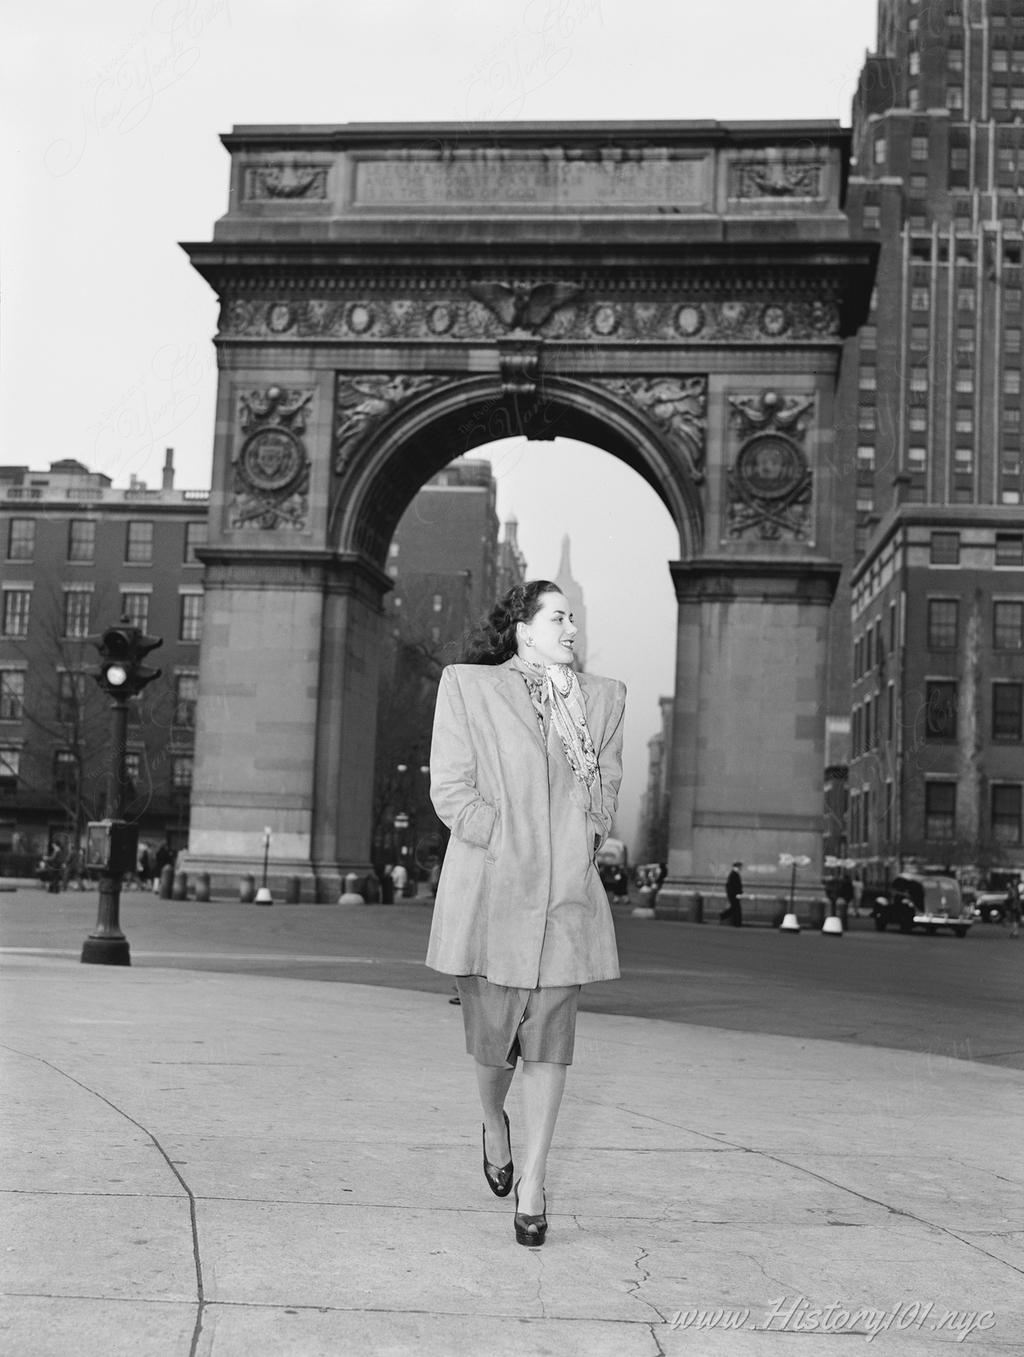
(609, 761)
(453, 788)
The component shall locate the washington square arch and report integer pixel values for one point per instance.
(395, 295)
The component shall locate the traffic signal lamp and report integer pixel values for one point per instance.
(123, 648)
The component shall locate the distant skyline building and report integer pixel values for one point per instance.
(573, 591)
(931, 419)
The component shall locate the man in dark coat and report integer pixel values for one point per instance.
(733, 912)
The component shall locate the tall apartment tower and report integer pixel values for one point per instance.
(931, 420)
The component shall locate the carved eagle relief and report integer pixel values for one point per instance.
(524, 306)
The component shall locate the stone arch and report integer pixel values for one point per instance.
(392, 296)
(388, 465)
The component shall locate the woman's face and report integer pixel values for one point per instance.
(551, 631)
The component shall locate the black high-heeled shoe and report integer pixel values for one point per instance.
(530, 1230)
(499, 1180)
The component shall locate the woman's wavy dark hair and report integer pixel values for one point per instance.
(494, 640)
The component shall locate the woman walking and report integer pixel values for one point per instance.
(525, 769)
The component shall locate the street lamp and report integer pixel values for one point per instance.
(113, 844)
(263, 895)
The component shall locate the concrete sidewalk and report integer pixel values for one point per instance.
(226, 1164)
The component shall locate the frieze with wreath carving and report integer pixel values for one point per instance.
(285, 181)
(764, 177)
(270, 471)
(461, 316)
(678, 406)
(770, 484)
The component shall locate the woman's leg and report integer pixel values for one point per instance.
(493, 1082)
(542, 1087)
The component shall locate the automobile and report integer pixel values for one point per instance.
(990, 906)
(928, 902)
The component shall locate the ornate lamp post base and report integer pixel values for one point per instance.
(107, 945)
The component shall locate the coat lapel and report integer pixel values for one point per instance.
(512, 688)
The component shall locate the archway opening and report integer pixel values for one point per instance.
(563, 510)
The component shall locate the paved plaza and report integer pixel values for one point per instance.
(203, 1163)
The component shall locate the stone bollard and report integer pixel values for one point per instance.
(350, 895)
(179, 891)
(203, 887)
(246, 888)
(166, 882)
(293, 890)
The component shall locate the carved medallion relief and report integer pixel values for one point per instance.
(769, 485)
(270, 471)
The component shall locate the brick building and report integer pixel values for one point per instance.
(932, 398)
(76, 553)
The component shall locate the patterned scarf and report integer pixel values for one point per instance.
(558, 687)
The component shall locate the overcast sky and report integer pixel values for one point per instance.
(112, 112)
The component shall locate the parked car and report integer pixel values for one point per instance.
(990, 906)
(928, 902)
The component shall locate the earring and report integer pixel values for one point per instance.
(528, 640)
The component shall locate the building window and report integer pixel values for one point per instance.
(1006, 813)
(872, 218)
(21, 539)
(71, 693)
(186, 693)
(920, 301)
(1010, 548)
(879, 150)
(12, 694)
(1011, 381)
(865, 502)
(866, 418)
(195, 536)
(959, 158)
(954, 59)
(954, 97)
(964, 420)
(917, 457)
(918, 420)
(65, 774)
(919, 148)
(1007, 625)
(1006, 712)
(919, 379)
(1000, 97)
(81, 540)
(868, 379)
(944, 548)
(191, 628)
(940, 709)
(135, 606)
(965, 338)
(77, 611)
(965, 298)
(943, 623)
(1013, 336)
(865, 457)
(919, 335)
(139, 549)
(965, 384)
(1011, 418)
(10, 764)
(17, 605)
(939, 810)
(963, 461)
(181, 772)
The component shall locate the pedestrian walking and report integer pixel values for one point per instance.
(733, 912)
(525, 768)
(1013, 906)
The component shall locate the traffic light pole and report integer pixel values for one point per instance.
(107, 945)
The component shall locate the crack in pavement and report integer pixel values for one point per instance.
(193, 1222)
(820, 1177)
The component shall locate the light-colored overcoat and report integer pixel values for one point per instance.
(520, 899)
